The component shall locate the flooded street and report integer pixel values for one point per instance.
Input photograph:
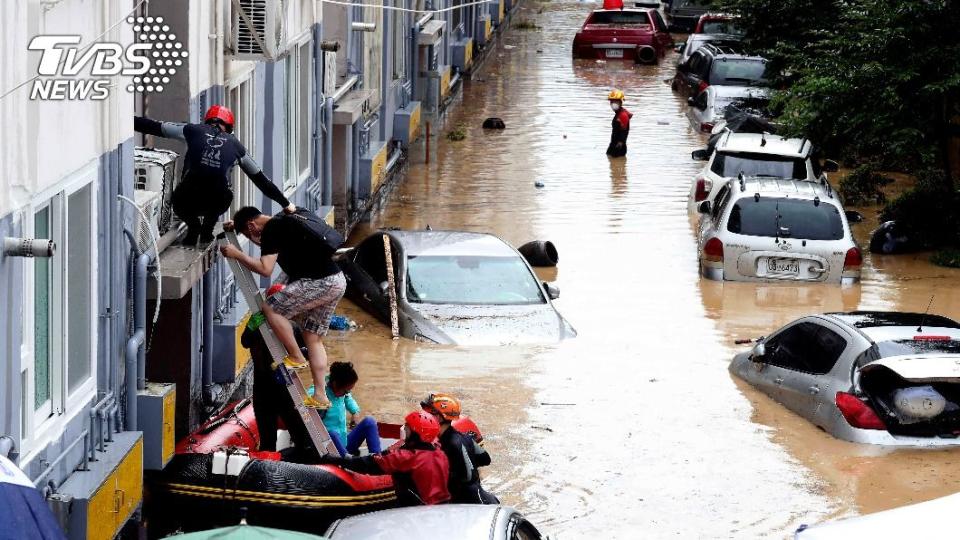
(634, 428)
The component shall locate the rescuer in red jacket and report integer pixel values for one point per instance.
(621, 125)
(419, 467)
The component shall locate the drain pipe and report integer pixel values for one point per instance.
(206, 354)
(136, 353)
(326, 198)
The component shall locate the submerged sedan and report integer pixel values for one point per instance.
(870, 377)
(455, 288)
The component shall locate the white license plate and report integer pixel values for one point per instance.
(783, 266)
(614, 53)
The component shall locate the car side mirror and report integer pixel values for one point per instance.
(759, 351)
(704, 207)
(853, 216)
(700, 155)
(384, 288)
(830, 165)
(552, 290)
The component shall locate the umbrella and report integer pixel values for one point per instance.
(23, 512)
(247, 532)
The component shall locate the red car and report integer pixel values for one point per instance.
(717, 23)
(637, 34)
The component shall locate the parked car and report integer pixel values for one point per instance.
(930, 519)
(719, 64)
(756, 154)
(455, 287)
(888, 378)
(637, 34)
(684, 14)
(709, 107)
(459, 521)
(766, 229)
(717, 23)
(695, 41)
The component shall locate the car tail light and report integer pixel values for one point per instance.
(706, 127)
(853, 260)
(703, 189)
(702, 86)
(857, 413)
(713, 250)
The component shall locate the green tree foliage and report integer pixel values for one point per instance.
(868, 79)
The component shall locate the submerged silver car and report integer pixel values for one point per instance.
(884, 378)
(455, 287)
(453, 521)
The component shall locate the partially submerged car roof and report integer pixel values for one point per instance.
(453, 520)
(451, 243)
(772, 187)
(760, 143)
(874, 319)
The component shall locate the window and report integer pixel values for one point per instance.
(786, 218)
(400, 39)
(456, 17)
(299, 75)
(723, 196)
(60, 328)
(241, 102)
(467, 279)
(739, 72)
(658, 21)
(806, 347)
(373, 52)
(731, 165)
(620, 18)
(719, 26)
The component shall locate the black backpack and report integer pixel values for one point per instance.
(317, 227)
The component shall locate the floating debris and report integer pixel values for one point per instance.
(538, 184)
(494, 123)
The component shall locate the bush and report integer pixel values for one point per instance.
(928, 213)
(947, 257)
(862, 186)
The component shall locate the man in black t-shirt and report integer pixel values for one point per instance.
(303, 245)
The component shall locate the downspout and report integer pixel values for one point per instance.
(355, 164)
(327, 195)
(318, 108)
(206, 353)
(136, 353)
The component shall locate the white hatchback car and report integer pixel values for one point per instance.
(706, 110)
(763, 229)
(756, 154)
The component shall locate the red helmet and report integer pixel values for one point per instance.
(274, 289)
(221, 114)
(467, 426)
(424, 425)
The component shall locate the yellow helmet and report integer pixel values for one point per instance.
(615, 95)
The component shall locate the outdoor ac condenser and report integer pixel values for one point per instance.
(156, 170)
(257, 29)
(146, 232)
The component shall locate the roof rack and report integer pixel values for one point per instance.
(743, 186)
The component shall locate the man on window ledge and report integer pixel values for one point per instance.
(204, 190)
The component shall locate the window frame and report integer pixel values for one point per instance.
(298, 85)
(39, 427)
(245, 110)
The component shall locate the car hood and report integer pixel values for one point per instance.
(497, 325)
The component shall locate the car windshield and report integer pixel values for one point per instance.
(721, 27)
(903, 347)
(464, 279)
(763, 165)
(619, 17)
(738, 72)
(802, 219)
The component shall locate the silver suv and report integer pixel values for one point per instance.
(762, 229)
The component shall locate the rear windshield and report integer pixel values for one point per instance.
(902, 347)
(619, 17)
(786, 218)
(721, 27)
(738, 72)
(762, 165)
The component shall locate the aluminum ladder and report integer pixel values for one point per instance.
(311, 418)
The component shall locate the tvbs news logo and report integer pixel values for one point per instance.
(150, 61)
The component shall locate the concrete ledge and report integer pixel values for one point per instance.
(180, 269)
(349, 109)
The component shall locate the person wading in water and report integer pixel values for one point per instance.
(621, 125)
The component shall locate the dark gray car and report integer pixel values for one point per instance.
(884, 378)
(455, 287)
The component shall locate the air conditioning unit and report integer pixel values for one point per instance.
(257, 29)
(146, 222)
(155, 170)
(329, 73)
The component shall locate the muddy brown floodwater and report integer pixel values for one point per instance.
(635, 428)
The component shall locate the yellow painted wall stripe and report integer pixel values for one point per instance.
(286, 496)
(265, 499)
